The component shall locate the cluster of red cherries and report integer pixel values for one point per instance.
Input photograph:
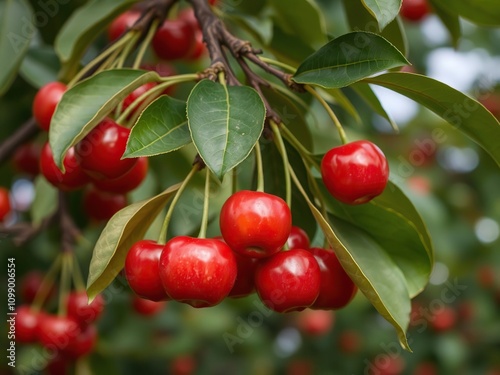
(248, 257)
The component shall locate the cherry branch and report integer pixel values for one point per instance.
(26, 131)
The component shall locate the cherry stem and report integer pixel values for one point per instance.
(304, 153)
(77, 275)
(280, 64)
(145, 44)
(65, 283)
(280, 144)
(330, 112)
(47, 283)
(234, 180)
(70, 232)
(206, 206)
(260, 167)
(162, 239)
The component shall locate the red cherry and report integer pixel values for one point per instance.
(315, 322)
(57, 332)
(173, 40)
(199, 49)
(26, 158)
(100, 152)
(425, 368)
(255, 224)
(5, 206)
(337, 288)
(288, 281)
(444, 319)
(244, 283)
(356, 172)
(142, 270)
(45, 103)
(83, 344)
(164, 70)
(58, 365)
(414, 10)
(73, 177)
(128, 182)
(30, 284)
(183, 365)
(147, 307)
(387, 364)
(83, 312)
(26, 324)
(298, 239)
(350, 342)
(122, 23)
(197, 271)
(136, 94)
(100, 205)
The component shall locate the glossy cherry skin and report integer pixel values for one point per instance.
(173, 40)
(199, 47)
(255, 224)
(79, 309)
(26, 324)
(73, 177)
(142, 270)
(244, 284)
(100, 152)
(57, 332)
(337, 289)
(147, 307)
(45, 103)
(298, 239)
(100, 205)
(356, 172)
(128, 182)
(414, 10)
(26, 159)
(198, 271)
(122, 23)
(5, 206)
(288, 281)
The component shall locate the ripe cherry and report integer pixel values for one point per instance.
(288, 281)
(315, 322)
(26, 324)
(244, 283)
(122, 23)
(142, 270)
(199, 48)
(198, 271)
(83, 343)
(100, 152)
(414, 10)
(79, 309)
(298, 239)
(173, 40)
(147, 307)
(255, 224)
(444, 319)
(5, 206)
(57, 332)
(128, 182)
(26, 158)
(73, 177)
(350, 342)
(183, 365)
(45, 103)
(100, 205)
(337, 288)
(164, 70)
(356, 172)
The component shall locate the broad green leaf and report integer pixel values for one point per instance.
(450, 20)
(161, 128)
(372, 270)
(360, 19)
(45, 202)
(225, 123)
(85, 24)
(304, 20)
(125, 228)
(385, 11)
(84, 105)
(348, 59)
(482, 12)
(461, 111)
(393, 223)
(365, 91)
(40, 66)
(16, 30)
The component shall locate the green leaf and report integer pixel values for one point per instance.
(260, 27)
(124, 229)
(16, 30)
(304, 20)
(384, 11)
(372, 270)
(225, 123)
(348, 59)
(343, 101)
(161, 128)
(450, 20)
(84, 105)
(360, 19)
(461, 111)
(85, 24)
(45, 202)
(280, 47)
(366, 93)
(40, 66)
(482, 12)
